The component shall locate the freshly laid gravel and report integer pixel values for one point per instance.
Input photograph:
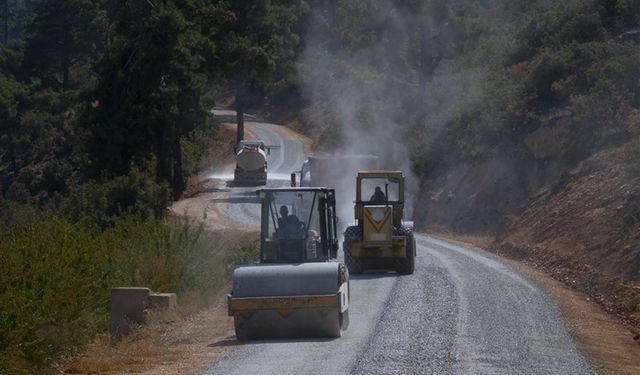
(459, 313)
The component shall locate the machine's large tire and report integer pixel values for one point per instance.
(354, 264)
(406, 266)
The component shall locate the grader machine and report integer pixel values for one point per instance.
(380, 238)
(296, 290)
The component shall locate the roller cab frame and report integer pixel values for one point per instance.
(296, 290)
(380, 238)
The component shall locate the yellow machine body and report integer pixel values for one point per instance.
(380, 235)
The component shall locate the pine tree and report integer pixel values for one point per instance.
(255, 46)
(13, 97)
(152, 82)
(63, 34)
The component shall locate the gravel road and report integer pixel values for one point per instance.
(460, 313)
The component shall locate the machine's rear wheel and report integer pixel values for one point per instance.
(354, 264)
(406, 266)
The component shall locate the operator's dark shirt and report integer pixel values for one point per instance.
(378, 196)
(289, 221)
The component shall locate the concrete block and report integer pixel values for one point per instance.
(127, 308)
(163, 301)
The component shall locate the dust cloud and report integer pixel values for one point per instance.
(385, 77)
(366, 90)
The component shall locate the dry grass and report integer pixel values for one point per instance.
(166, 345)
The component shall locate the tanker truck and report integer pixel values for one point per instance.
(251, 163)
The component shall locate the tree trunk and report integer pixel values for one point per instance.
(178, 184)
(5, 16)
(12, 151)
(239, 118)
(65, 77)
(163, 170)
(332, 12)
(65, 60)
(426, 58)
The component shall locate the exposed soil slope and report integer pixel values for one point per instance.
(585, 231)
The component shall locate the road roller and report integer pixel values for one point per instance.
(298, 289)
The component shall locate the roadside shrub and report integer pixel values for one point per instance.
(18, 192)
(100, 203)
(55, 175)
(56, 278)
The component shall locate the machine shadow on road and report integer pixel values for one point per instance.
(374, 274)
(255, 200)
(232, 341)
(226, 342)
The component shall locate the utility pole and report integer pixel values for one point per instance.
(239, 116)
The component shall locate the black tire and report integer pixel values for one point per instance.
(241, 332)
(354, 264)
(406, 266)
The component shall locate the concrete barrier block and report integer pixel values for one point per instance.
(163, 301)
(127, 308)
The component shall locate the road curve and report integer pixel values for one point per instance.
(285, 156)
(462, 312)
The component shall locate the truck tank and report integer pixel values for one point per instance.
(251, 164)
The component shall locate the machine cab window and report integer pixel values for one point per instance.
(379, 190)
(294, 224)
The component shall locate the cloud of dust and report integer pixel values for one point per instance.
(363, 74)
(369, 92)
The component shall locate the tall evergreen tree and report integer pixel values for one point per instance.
(10, 93)
(63, 34)
(259, 42)
(13, 18)
(152, 82)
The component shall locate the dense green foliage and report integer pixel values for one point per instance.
(56, 277)
(92, 89)
(258, 51)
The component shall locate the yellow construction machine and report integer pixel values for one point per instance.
(380, 238)
(298, 289)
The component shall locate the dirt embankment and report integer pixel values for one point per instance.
(579, 223)
(576, 220)
(585, 231)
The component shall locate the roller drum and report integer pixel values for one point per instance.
(302, 279)
(289, 280)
